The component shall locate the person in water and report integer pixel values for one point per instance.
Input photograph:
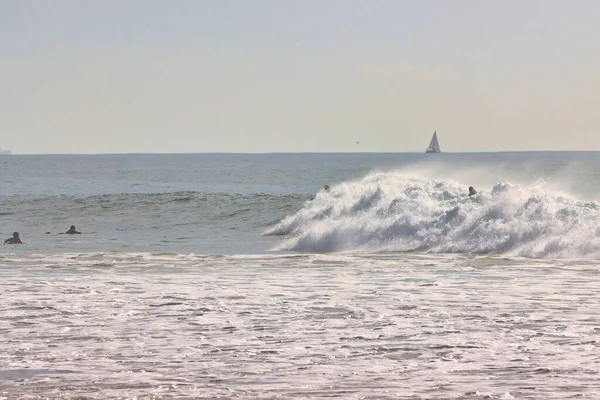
(326, 188)
(72, 231)
(15, 239)
(472, 191)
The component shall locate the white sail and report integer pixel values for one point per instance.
(434, 145)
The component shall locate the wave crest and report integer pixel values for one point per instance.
(393, 212)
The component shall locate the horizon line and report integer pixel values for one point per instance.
(302, 152)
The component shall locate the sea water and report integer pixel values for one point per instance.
(238, 276)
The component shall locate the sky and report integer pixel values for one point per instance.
(196, 76)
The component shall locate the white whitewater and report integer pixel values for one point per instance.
(390, 212)
(160, 326)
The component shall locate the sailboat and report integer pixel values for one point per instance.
(434, 145)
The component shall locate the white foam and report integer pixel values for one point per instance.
(393, 211)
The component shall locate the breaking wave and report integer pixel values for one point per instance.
(393, 212)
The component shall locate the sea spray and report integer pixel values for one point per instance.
(393, 212)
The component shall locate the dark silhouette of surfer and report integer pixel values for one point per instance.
(72, 231)
(472, 191)
(15, 239)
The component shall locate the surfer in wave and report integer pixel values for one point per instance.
(15, 239)
(472, 191)
(72, 231)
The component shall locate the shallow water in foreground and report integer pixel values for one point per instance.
(139, 325)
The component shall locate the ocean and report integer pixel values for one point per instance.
(237, 276)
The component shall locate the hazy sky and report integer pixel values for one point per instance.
(107, 76)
